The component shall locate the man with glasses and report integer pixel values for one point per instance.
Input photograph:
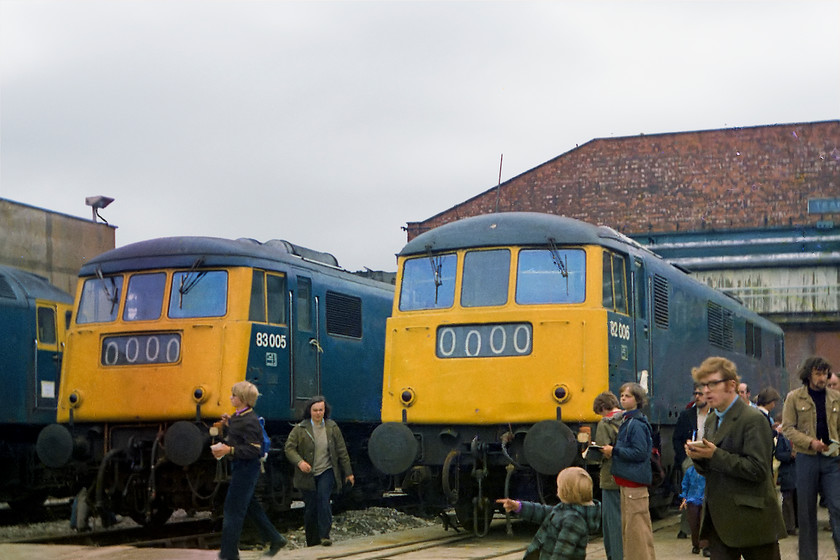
(811, 421)
(690, 426)
(741, 515)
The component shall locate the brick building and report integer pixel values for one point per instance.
(752, 211)
(757, 177)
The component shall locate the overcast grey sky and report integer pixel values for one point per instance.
(332, 124)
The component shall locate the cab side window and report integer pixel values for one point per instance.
(46, 326)
(615, 283)
(268, 298)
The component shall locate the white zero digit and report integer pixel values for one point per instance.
(132, 350)
(444, 333)
(516, 346)
(467, 343)
(501, 329)
(111, 348)
(175, 344)
(152, 341)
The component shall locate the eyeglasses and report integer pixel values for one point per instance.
(696, 393)
(711, 384)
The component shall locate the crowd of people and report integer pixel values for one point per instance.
(724, 445)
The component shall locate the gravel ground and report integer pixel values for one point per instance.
(346, 525)
(359, 523)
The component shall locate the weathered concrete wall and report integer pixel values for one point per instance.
(802, 294)
(50, 244)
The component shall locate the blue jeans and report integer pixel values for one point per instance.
(317, 512)
(241, 502)
(813, 473)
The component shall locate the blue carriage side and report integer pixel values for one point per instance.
(33, 320)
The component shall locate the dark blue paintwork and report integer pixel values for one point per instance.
(25, 371)
(18, 292)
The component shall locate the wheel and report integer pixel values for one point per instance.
(465, 514)
(158, 518)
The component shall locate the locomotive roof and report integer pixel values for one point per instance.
(205, 251)
(515, 228)
(33, 285)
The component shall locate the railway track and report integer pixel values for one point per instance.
(205, 534)
(436, 544)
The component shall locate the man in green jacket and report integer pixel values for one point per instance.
(741, 514)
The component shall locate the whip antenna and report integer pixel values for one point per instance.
(499, 185)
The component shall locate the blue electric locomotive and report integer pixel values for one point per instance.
(161, 331)
(33, 319)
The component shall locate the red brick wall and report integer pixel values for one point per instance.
(717, 179)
